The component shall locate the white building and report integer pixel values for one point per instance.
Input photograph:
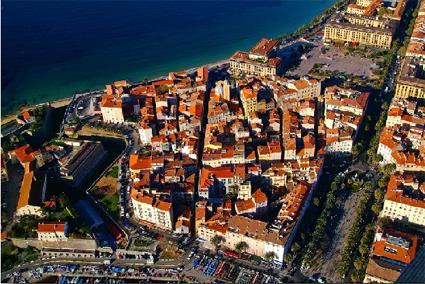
(52, 232)
(152, 210)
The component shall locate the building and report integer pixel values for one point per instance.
(347, 32)
(258, 62)
(411, 79)
(112, 109)
(32, 192)
(26, 154)
(259, 237)
(392, 252)
(152, 210)
(414, 272)
(360, 29)
(77, 165)
(302, 89)
(53, 232)
(405, 199)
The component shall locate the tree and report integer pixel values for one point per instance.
(316, 201)
(241, 246)
(376, 208)
(295, 248)
(379, 194)
(216, 241)
(359, 263)
(269, 256)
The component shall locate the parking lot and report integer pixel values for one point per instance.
(218, 267)
(76, 273)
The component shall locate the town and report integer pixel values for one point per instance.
(262, 169)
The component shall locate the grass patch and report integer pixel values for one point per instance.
(142, 242)
(111, 203)
(113, 172)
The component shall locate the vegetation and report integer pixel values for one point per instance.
(315, 244)
(12, 256)
(142, 242)
(111, 202)
(352, 242)
(409, 30)
(355, 253)
(241, 247)
(39, 117)
(25, 227)
(113, 172)
(160, 90)
(63, 212)
(14, 141)
(216, 241)
(269, 256)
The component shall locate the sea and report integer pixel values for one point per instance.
(52, 49)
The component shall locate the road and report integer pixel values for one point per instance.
(83, 262)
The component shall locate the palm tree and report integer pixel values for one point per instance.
(216, 241)
(241, 247)
(269, 256)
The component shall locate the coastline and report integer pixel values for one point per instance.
(65, 101)
(300, 32)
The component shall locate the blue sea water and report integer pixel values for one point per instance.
(50, 49)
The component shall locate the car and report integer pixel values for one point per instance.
(191, 254)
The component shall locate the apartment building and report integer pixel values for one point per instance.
(345, 31)
(405, 199)
(152, 210)
(302, 89)
(259, 61)
(411, 80)
(259, 237)
(392, 252)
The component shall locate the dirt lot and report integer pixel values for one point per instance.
(169, 251)
(107, 185)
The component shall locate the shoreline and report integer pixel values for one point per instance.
(65, 101)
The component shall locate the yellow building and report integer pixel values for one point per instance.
(400, 201)
(355, 9)
(241, 64)
(411, 81)
(358, 34)
(249, 100)
(259, 61)
(364, 3)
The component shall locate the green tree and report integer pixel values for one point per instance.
(269, 256)
(216, 241)
(359, 263)
(295, 248)
(376, 208)
(241, 246)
